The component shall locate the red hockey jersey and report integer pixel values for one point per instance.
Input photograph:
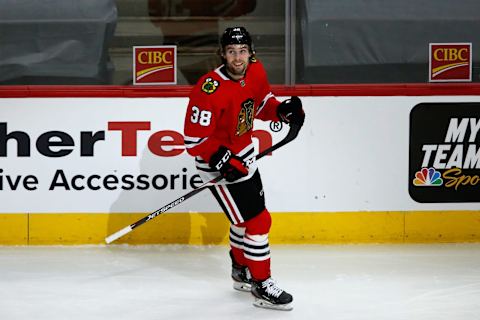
(221, 112)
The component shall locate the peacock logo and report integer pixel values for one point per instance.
(427, 177)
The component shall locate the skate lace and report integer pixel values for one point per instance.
(271, 287)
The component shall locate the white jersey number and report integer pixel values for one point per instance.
(202, 117)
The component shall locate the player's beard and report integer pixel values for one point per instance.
(237, 71)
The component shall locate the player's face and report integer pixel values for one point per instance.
(237, 57)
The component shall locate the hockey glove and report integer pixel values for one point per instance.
(291, 111)
(230, 166)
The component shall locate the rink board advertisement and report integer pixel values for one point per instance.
(445, 152)
(98, 155)
(88, 160)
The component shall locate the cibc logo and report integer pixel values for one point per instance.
(450, 62)
(155, 65)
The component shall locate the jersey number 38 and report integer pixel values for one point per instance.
(202, 117)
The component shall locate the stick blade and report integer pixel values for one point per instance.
(118, 234)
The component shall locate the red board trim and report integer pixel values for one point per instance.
(423, 89)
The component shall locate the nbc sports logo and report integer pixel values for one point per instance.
(444, 152)
(427, 177)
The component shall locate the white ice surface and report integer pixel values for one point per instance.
(419, 282)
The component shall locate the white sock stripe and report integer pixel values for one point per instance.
(257, 251)
(257, 237)
(252, 243)
(236, 238)
(236, 245)
(239, 231)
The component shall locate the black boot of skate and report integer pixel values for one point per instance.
(242, 280)
(268, 295)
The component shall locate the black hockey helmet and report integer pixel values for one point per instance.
(236, 35)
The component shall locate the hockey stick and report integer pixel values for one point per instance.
(292, 134)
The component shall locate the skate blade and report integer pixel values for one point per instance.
(242, 286)
(267, 305)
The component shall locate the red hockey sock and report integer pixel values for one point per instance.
(237, 233)
(238, 256)
(256, 248)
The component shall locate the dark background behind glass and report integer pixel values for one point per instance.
(330, 41)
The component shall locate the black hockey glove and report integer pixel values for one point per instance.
(291, 111)
(230, 166)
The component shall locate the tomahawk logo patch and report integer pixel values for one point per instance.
(245, 117)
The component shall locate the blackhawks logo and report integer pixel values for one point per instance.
(245, 117)
(210, 85)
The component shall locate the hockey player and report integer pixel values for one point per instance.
(218, 133)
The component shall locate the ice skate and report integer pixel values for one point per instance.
(242, 279)
(268, 295)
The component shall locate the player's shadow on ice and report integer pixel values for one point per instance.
(174, 226)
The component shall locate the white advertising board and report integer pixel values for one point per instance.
(105, 155)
